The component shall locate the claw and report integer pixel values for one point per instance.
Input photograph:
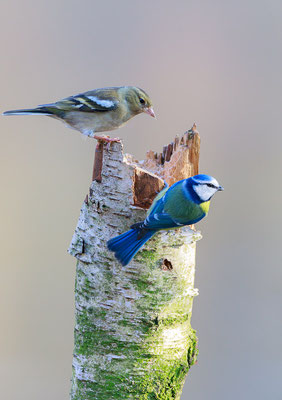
(107, 139)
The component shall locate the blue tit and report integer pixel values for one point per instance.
(184, 203)
(99, 110)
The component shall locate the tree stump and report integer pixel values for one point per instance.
(133, 338)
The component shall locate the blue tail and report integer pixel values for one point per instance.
(125, 246)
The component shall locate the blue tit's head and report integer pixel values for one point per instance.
(203, 187)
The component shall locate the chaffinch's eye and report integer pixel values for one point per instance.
(142, 101)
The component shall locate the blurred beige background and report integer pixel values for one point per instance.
(214, 62)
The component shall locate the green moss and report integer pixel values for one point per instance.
(124, 322)
(95, 337)
(142, 284)
(87, 283)
(193, 351)
(164, 381)
(148, 255)
(171, 320)
(109, 387)
(127, 361)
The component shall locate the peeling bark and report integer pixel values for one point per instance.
(133, 338)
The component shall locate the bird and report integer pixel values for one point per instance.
(98, 110)
(186, 202)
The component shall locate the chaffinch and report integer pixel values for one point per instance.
(98, 110)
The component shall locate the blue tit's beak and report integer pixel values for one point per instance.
(220, 188)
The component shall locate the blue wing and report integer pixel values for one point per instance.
(158, 221)
(157, 217)
(172, 209)
(158, 201)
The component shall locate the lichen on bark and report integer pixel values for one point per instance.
(133, 338)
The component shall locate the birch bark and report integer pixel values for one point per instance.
(133, 338)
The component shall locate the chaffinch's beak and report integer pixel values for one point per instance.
(220, 188)
(149, 111)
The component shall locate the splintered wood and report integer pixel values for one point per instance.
(178, 160)
(98, 162)
(145, 187)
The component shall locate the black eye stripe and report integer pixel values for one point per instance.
(211, 185)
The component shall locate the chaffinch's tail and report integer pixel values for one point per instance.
(29, 111)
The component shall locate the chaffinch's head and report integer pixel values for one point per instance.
(138, 101)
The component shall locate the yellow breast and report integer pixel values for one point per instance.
(205, 206)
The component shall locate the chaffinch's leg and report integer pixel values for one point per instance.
(107, 140)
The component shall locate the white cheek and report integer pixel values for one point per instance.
(204, 192)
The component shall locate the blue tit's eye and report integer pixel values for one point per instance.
(210, 185)
(142, 101)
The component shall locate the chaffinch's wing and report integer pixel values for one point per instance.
(95, 100)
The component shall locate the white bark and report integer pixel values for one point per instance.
(133, 338)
